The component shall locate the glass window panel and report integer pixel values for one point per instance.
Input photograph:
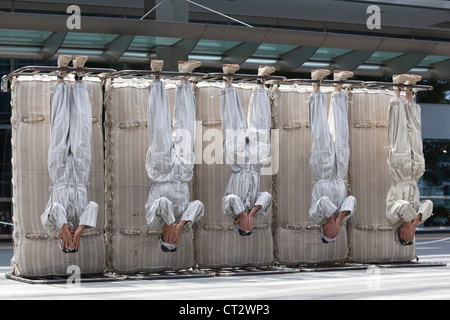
(379, 57)
(435, 183)
(213, 47)
(75, 51)
(429, 60)
(327, 54)
(144, 43)
(23, 37)
(272, 50)
(87, 40)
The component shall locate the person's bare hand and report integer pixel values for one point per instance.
(406, 232)
(169, 233)
(178, 229)
(77, 237)
(251, 216)
(67, 241)
(242, 221)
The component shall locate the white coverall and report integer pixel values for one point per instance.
(246, 151)
(329, 158)
(406, 163)
(69, 159)
(170, 158)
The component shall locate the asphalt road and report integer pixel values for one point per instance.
(405, 283)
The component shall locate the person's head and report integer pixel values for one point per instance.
(241, 232)
(403, 241)
(324, 238)
(167, 247)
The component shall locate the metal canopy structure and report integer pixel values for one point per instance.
(293, 36)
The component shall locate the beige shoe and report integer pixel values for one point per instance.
(156, 65)
(342, 75)
(413, 79)
(188, 66)
(400, 78)
(229, 69)
(63, 62)
(265, 70)
(79, 62)
(319, 74)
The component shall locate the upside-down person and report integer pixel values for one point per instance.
(246, 149)
(406, 162)
(170, 159)
(329, 158)
(68, 212)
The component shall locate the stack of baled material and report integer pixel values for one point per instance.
(372, 239)
(217, 244)
(120, 185)
(296, 237)
(131, 246)
(35, 252)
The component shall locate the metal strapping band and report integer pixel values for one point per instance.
(292, 126)
(362, 125)
(213, 227)
(260, 226)
(33, 119)
(364, 227)
(373, 228)
(231, 228)
(91, 233)
(131, 232)
(129, 125)
(211, 123)
(37, 236)
(292, 227)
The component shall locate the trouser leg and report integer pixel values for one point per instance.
(413, 117)
(80, 131)
(322, 154)
(184, 125)
(233, 126)
(339, 130)
(159, 159)
(59, 133)
(259, 125)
